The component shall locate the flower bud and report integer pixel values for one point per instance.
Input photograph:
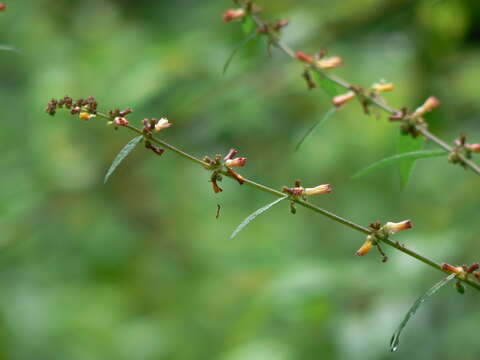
(474, 147)
(473, 267)
(391, 227)
(328, 63)
(233, 14)
(3, 6)
(85, 115)
(120, 121)
(320, 189)
(431, 103)
(161, 124)
(383, 87)
(239, 161)
(453, 269)
(366, 247)
(342, 99)
(300, 55)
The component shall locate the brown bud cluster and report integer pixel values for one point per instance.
(88, 105)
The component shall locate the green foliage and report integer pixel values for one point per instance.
(407, 144)
(396, 335)
(127, 149)
(253, 215)
(410, 156)
(324, 118)
(236, 49)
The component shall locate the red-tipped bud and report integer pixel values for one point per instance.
(431, 103)
(320, 189)
(473, 267)
(453, 269)
(233, 14)
(120, 121)
(366, 247)
(239, 162)
(300, 55)
(161, 124)
(473, 147)
(328, 63)
(3, 6)
(383, 87)
(342, 99)
(391, 227)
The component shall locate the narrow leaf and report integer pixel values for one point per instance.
(254, 215)
(8, 48)
(395, 158)
(234, 52)
(326, 84)
(248, 25)
(321, 121)
(127, 149)
(407, 144)
(396, 335)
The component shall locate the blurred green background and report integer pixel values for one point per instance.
(141, 269)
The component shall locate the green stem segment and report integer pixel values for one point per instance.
(345, 84)
(303, 203)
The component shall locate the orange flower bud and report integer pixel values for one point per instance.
(454, 269)
(161, 124)
(342, 99)
(233, 14)
(328, 63)
(300, 55)
(85, 115)
(383, 87)
(431, 103)
(320, 189)
(239, 161)
(474, 147)
(366, 247)
(120, 121)
(391, 227)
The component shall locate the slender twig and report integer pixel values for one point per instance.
(274, 38)
(299, 201)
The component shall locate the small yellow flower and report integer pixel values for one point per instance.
(366, 247)
(431, 103)
(391, 227)
(342, 99)
(383, 87)
(328, 63)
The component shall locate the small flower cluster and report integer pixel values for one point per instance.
(299, 192)
(216, 165)
(382, 232)
(157, 125)
(461, 147)
(462, 273)
(80, 106)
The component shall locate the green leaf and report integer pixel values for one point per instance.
(127, 149)
(8, 48)
(395, 158)
(234, 52)
(406, 144)
(321, 121)
(396, 335)
(248, 25)
(254, 215)
(326, 84)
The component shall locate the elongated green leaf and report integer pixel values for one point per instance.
(254, 215)
(396, 335)
(234, 52)
(321, 121)
(406, 144)
(127, 149)
(8, 48)
(248, 25)
(326, 84)
(395, 158)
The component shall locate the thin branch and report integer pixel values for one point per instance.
(274, 38)
(299, 201)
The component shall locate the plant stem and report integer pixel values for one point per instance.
(303, 203)
(345, 84)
